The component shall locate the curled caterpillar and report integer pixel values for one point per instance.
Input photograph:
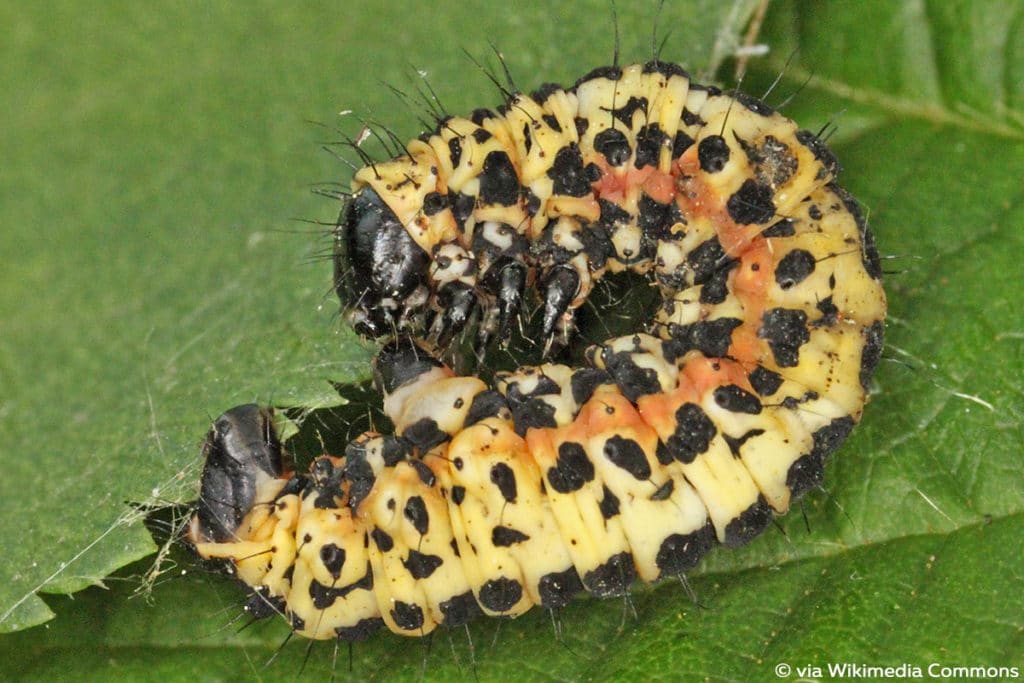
(718, 412)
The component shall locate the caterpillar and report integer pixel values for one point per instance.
(695, 429)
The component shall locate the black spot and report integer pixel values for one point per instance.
(705, 259)
(504, 478)
(421, 565)
(716, 287)
(814, 212)
(752, 103)
(527, 410)
(424, 472)
(649, 142)
(503, 536)
(792, 402)
(710, 337)
(531, 413)
(481, 135)
(333, 558)
(609, 504)
(597, 245)
(794, 268)
(394, 450)
(424, 434)
(713, 153)
(664, 491)
(681, 143)
(324, 596)
(362, 629)
(551, 121)
(626, 111)
(545, 91)
(400, 363)
(572, 470)
(489, 403)
(612, 143)
(691, 118)
(462, 208)
(382, 539)
(737, 400)
(500, 595)
(784, 228)
(406, 616)
(829, 313)
(633, 380)
(626, 454)
(612, 214)
(786, 331)
(499, 182)
(359, 474)
(611, 578)
(567, 173)
(808, 470)
(693, 434)
(459, 609)
(872, 353)
(663, 454)
(611, 73)
(585, 381)
(749, 524)
(652, 217)
(735, 444)
(681, 552)
(531, 201)
(458, 494)
(434, 203)
(416, 512)
(666, 69)
(764, 381)
(872, 261)
(752, 203)
(455, 151)
(558, 588)
(820, 151)
(260, 605)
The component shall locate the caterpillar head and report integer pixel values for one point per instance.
(241, 452)
(379, 269)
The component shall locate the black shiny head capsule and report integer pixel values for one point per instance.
(241, 449)
(377, 264)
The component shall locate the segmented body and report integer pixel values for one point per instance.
(715, 414)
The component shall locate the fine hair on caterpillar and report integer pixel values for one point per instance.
(709, 414)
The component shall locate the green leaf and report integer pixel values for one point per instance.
(153, 279)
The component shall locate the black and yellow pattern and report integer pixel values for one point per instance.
(718, 412)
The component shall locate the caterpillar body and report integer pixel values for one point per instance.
(634, 168)
(694, 430)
